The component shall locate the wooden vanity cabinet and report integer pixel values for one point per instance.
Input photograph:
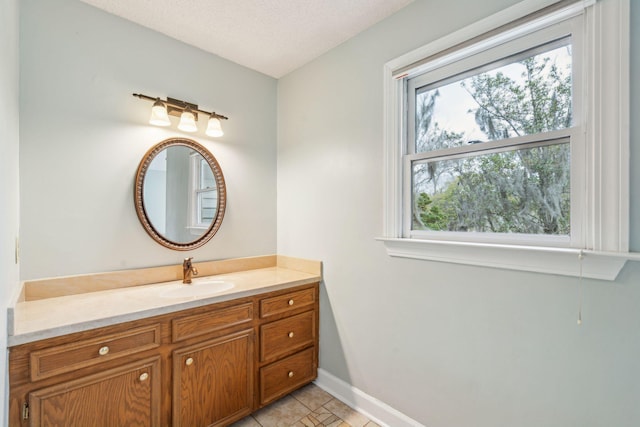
(206, 366)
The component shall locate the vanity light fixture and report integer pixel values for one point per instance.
(188, 113)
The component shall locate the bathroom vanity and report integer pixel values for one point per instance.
(126, 348)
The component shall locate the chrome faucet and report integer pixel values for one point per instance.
(188, 270)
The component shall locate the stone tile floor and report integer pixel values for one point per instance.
(308, 407)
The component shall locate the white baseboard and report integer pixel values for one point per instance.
(373, 408)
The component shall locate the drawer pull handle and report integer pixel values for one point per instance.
(103, 351)
(290, 374)
(290, 302)
(290, 334)
(144, 376)
(189, 361)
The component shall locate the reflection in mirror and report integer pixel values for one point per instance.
(180, 194)
(177, 214)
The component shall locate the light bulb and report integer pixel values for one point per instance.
(187, 121)
(214, 127)
(159, 116)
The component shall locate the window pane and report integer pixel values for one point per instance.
(206, 175)
(207, 204)
(523, 95)
(521, 191)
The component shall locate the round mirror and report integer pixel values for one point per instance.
(179, 194)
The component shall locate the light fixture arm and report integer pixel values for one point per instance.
(180, 106)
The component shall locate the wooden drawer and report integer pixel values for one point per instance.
(216, 320)
(287, 302)
(286, 335)
(69, 357)
(284, 376)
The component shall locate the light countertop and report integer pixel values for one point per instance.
(46, 317)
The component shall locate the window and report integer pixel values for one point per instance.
(499, 143)
(488, 146)
(203, 194)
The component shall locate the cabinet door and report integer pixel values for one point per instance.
(213, 381)
(127, 395)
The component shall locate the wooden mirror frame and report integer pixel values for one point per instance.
(139, 200)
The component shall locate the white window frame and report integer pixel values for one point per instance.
(602, 171)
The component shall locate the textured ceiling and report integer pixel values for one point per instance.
(270, 36)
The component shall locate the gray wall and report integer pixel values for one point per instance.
(9, 113)
(448, 345)
(83, 135)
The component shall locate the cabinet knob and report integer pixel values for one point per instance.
(290, 374)
(103, 351)
(144, 376)
(290, 302)
(189, 361)
(291, 334)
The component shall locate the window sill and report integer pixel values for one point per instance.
(548, 260)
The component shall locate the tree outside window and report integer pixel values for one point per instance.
(461, 182)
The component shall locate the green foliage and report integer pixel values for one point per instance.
(431, 216)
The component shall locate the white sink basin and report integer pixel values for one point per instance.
(199, 287)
